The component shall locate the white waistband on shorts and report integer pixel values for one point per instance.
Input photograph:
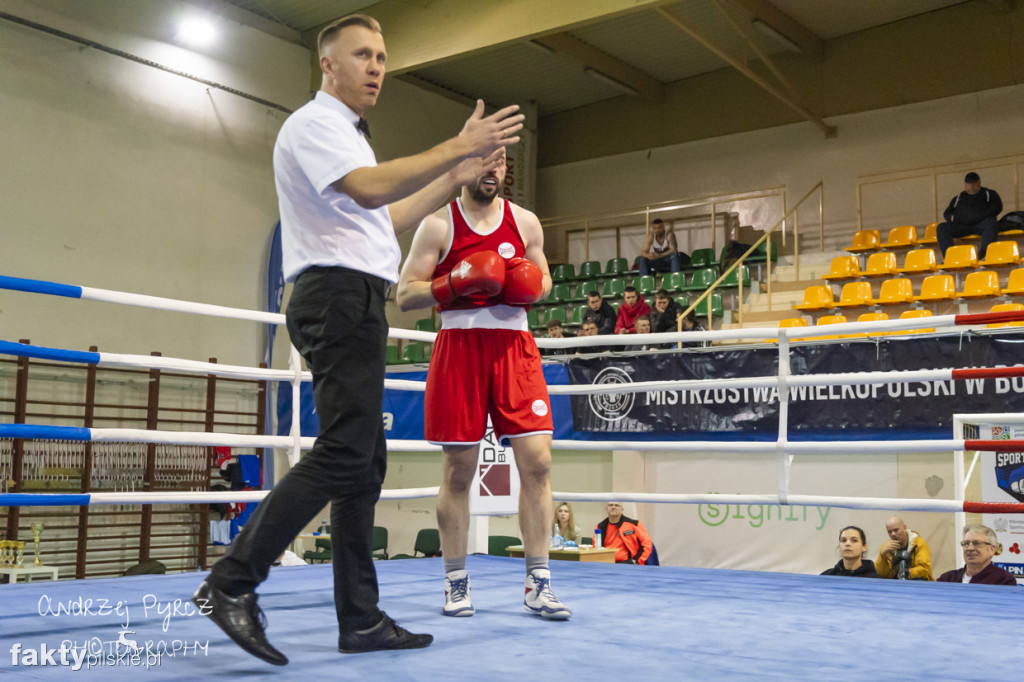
(491, 317)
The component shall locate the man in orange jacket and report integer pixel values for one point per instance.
(627, 536)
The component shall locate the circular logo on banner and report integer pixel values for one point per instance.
(540, 408)
(612, 406)
(506, 250)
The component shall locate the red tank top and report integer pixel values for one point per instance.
(504, 240)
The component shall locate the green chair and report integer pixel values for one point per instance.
(578, 313)
(424, 325)
(496, 544)
(533, 319)
(563, 272)
(645, 285)
(673, 281)
(555, 314)
(589, 270)
(717, 309)
(702, 279)
(614, 288)
(616, 266)
(413, 352)
(734, 278)
(392, 355)
(323, 552)
(683, 302)
(428, 543)
(584, 288)
(380, 542)
(560, 293)
(702, 258)
(761, 253)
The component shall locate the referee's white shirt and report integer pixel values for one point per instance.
(318, 145)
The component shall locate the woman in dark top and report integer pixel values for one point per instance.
(853, 545)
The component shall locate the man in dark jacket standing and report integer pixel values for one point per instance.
(973, 211)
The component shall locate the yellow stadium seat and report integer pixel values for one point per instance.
(919, 260)
(1001, 253)
(1004, 307)
(790, 322)
(818, 297)
(908, 314)
(930, 237)
(937, 288)
(855, 294)
(894, 291)
(843, 267)
(832, 319)
(1015, 285)
(981, 284)
(865, 240)
(881, 264)
(904, 235)
(873, 317)
(960, 257)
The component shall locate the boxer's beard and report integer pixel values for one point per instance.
(480, 194)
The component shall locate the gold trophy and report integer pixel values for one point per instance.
(37, 529)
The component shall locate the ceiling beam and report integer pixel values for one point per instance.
(741, 66)
(421, 35)
(791, 29)
(592, 58)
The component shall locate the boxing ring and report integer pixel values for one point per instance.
(629, 621)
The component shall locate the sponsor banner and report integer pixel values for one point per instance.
(309, 423)
(495, 488)
(910, 410)
(1002, 480)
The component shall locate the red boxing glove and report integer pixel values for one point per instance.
(479, 273)
(524, 282)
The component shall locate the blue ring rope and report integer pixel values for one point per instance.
(36, 432)
(38, 286)
(44, 353)
(44, 499)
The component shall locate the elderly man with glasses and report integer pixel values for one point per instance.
(980, 545)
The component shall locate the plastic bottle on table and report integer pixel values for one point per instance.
(597, 538)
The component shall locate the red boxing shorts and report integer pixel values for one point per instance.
(474, 373)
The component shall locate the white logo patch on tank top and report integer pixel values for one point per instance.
(540, 408)
(506, 250)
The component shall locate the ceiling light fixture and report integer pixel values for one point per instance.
(196, 32)
(608, 80)
(774, 34)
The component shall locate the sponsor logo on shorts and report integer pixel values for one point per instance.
(612, 406)
(506, 250)
(540, 408)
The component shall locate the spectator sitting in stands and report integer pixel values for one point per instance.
(589, 328)
(853, 545)
(633, 307)
(980, 545)
(627, 536)
(601, 313)
(665, 314)
(565, 521)
(973, 211)
(555, 331)
(660, 253)
(906, 556)
(642, 325)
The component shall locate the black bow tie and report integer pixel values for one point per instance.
(363, 126)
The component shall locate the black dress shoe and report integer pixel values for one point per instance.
(386, 634)
(241, 619)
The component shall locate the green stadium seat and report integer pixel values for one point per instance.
(616, 266)
(702, 279)
(717, 309)
(760, 254)
(533, 319)
(702, 258)
(673, 281)
(392, 355)
(614, 288)
(560, 293)
(589, 270)
(578, 313)
(413, 352)
(562, 272)
(733, 280)
(425, 325)
(555, 314)
(645, 285)
(584, 288)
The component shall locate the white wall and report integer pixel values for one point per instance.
(953, 130)
(118, 175)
